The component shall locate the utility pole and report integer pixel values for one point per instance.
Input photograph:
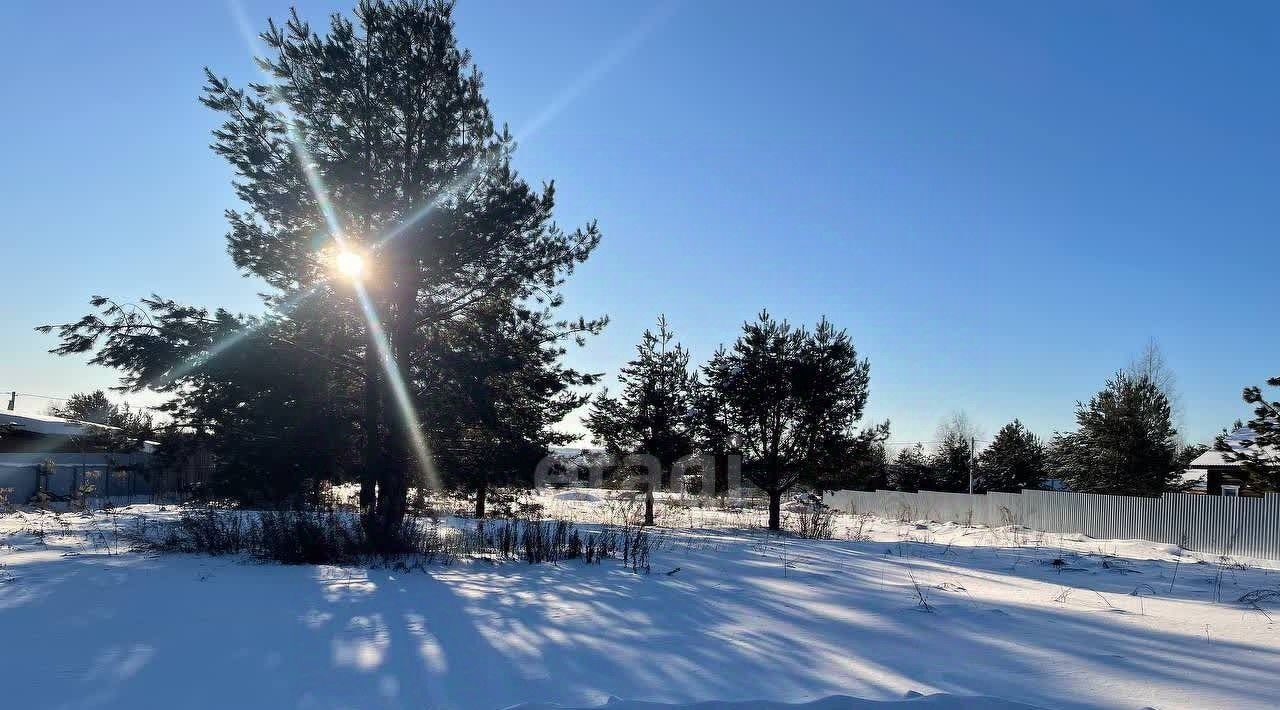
(13, 399)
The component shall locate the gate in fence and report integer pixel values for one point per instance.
(1222, 525)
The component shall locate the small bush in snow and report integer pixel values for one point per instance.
(816, 522)
(338, 537)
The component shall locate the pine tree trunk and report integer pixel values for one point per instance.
(372, 447)
(482, 492)
(393, 488)
(648, 506)
(775, 510)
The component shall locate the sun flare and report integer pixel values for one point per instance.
(350, 264)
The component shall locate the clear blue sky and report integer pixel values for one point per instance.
(1002, 202)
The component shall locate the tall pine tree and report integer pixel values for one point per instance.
(375, 138)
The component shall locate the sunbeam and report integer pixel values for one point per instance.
(620, 51)
(400, 391)
(315, 181)
(221, 346)
(352, 266)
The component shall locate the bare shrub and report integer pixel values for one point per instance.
(292, 538)
(922, 601)
(1226, 563)
(636, 546)
(1139, 591)
(858, 533)
(1258, 597)
(339, 537)
(1182, 549)
(1012, 523)
(207, 530)
(80, 495)
(815, 522)
(1066, 594)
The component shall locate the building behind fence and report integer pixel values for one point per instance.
(65, 459)
(1248, 527)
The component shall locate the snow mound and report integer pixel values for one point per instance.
(938, 701)
(579, 496)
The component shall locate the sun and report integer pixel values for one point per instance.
(350, 264)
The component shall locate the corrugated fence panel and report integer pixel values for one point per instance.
(1246, 527)
(19, 474)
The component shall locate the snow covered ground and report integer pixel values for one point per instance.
(886, 609)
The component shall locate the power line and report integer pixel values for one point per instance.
(933, 441)
(15, 393)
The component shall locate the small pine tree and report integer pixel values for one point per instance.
(793, 396)
(910, 470)
(653, 415)
(130, 428)
(951, 462)
(1014, 460)
(89, 407)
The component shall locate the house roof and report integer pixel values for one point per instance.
(49, 425)
(1195, 479)
(1239, 440)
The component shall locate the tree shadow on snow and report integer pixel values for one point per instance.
(735, 622)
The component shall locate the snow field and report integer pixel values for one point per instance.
(970, 617)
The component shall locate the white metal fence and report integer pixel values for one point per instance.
(1219, 525)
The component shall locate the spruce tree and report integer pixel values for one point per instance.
(951, 462)
(910, 470)
(1126, 443)
(1014, 460)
